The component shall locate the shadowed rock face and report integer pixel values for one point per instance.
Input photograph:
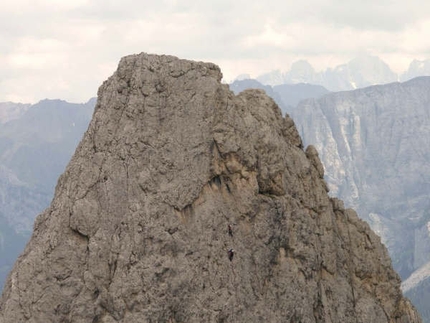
(137, 230)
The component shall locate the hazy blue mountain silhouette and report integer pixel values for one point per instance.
(35, 146)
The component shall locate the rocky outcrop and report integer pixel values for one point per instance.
(137, 230)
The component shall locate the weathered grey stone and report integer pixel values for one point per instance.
(137, 230)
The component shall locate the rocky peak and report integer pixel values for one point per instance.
(173, 172)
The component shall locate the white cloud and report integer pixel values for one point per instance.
(268, 37)
(65, 49)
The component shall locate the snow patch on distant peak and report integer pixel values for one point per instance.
(416, 277)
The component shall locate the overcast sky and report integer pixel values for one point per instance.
(66, 48)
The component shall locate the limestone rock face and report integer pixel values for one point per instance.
(137, 230)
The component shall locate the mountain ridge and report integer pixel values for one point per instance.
(360, 72)
(137, 230)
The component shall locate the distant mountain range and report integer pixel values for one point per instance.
(360, 72)
(287, 96)
(374, 145)
(375, 148)
(36, 143)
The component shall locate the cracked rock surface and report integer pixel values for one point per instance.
(138, 228)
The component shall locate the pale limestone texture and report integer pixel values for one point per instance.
(137, 230)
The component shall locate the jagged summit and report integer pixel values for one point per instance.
(138, 230)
